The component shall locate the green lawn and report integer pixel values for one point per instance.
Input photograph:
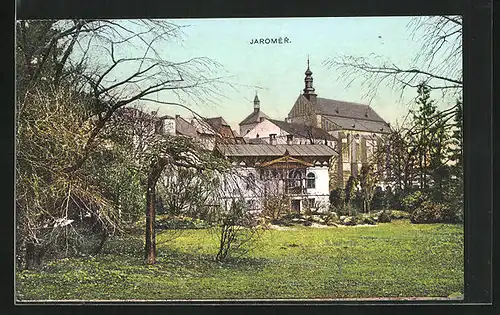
(395, 259)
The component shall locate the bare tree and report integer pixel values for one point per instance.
(437, 63)
(107, 65)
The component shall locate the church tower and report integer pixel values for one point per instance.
(308, 80)
(256, 103)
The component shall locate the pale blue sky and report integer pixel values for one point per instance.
(279, 69)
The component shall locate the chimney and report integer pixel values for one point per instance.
(177, 116)
(272, 138)
(289, 139)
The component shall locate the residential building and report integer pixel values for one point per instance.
(296, 172)
(253, 119)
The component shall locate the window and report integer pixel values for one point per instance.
(311, 202)
(345, 152)
(251, 181)
(311, 180)
(294, 179)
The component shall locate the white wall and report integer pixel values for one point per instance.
(322, 188)
(169, 126)
(263, 129)
(244, 128)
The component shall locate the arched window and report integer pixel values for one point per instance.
(251, 181)
(311, 180)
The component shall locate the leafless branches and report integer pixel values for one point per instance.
(438, 63)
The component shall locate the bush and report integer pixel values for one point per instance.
(397, 214)
(368, 220)
(331, 217)
(384, 217)
(432, 212)
(350, 221)
(378, 199)
(346, 210)
(337, 197)
(413, 201)
(357, 201)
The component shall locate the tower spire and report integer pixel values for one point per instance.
(256, 102)
(308, 80)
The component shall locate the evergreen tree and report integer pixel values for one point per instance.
(423, 131)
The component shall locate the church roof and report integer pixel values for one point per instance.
(253, 118)
(359, 124)
(302, 130)
(337, 108)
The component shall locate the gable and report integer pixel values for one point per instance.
(302, 107)
(253, 118)
(263, 129)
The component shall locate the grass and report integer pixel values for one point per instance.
(396, 259)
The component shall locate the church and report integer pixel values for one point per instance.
(354, 130)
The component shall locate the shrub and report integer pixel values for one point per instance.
(397, 214)
(357, 201)
(384, 217)
(276, 206)
(331, 217)
(345, 210)
(413, 201)
(378, 199)
(350, 221)
(432, 212)
(368, 220)
(337, 197)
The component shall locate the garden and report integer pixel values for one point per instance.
(390, 260)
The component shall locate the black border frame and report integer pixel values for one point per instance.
(477, 66)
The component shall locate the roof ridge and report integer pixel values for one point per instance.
(356, 118)
(349, 102)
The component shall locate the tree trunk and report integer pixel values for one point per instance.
(150, 249)
(150, 244)
(34, 255)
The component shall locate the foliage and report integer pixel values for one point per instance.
(56, 211)
(432, 212)
(346, 210)
(378, 199)
(72, 78)
(186, 191)
(398, 215)
(337, 197)
(235, 228)
(384, 217)
(367, 185)
(413, 201)
(276, 207)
